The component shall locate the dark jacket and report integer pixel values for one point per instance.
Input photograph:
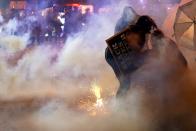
(135, 58)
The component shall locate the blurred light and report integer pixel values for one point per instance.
(59, 17)
(18, 4)
(83, 24)
(142, 1)
(46, 35)
(62, 27)
(75, 5)
(104, 10)
(84, 8)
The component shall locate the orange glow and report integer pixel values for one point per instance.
(18, 4)
(96, 90)
(75, 5)
(93, 103)
(83, 8)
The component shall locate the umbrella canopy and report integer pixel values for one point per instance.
(185, 23)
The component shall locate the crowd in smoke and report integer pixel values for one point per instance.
(62, 75)
(44, 25)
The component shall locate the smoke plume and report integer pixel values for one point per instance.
(40, 86)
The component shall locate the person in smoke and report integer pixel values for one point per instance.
(136, 38)
(129, 17)
(72, 25)
(166, 50)
(36, 32)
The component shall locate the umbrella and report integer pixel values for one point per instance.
(185, 22)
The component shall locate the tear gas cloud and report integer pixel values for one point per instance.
(58, 77)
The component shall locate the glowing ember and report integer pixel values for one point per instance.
(93, 103)
(97, 92)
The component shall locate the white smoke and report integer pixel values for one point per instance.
(38, 92)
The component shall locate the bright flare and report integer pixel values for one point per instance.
(93, 103)
(97, 92)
